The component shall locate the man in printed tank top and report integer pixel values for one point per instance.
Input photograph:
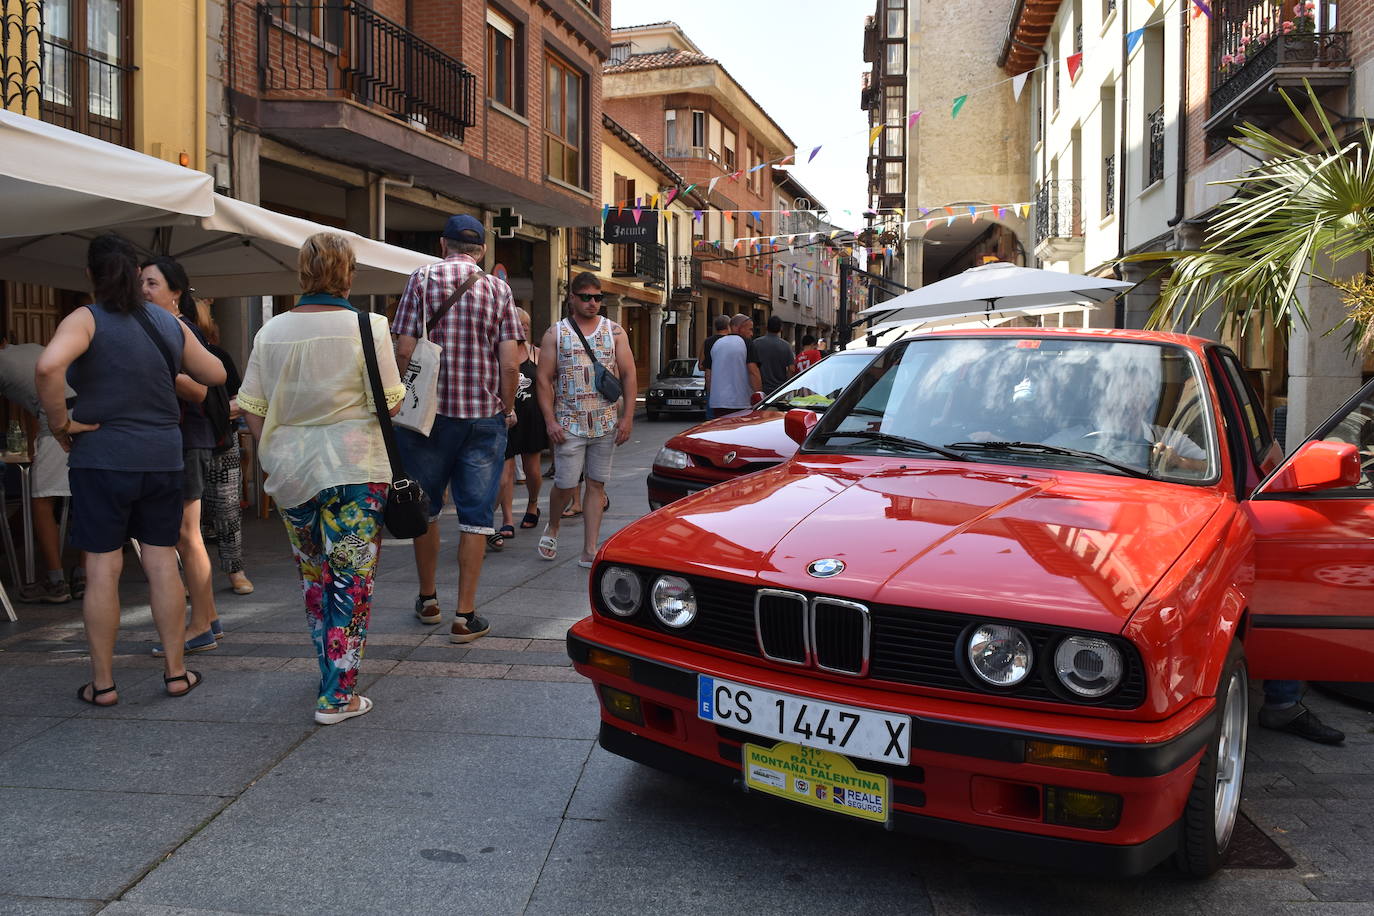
(583, 426)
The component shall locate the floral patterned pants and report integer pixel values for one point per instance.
(335, 539)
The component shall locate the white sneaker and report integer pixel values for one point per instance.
(326, 717)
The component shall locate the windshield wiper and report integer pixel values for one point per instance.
(891, 439)
(1044, 449)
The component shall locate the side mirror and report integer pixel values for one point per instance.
(798, 423)
(1317, 466)
(756, 399)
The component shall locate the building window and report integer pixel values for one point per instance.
(502, 39)
(563, 122)
(698, 129)
(620, 52)
(670, 130)
(896, 18)
(727, 149)
(85, 78)
(892, 141)
(892, 178)
(895, 59)
(894, 104)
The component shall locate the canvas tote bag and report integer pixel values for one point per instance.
(421, 377)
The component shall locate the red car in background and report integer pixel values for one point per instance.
(749, 440)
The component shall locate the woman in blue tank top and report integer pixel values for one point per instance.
(121, 356)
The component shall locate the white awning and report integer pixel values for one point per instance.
(59, 189)
(57, 180)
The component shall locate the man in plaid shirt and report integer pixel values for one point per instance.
(478, 372)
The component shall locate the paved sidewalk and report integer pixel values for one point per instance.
(475, 786)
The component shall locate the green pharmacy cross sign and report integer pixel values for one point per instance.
(505, 222)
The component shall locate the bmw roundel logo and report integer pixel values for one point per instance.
(824, 569)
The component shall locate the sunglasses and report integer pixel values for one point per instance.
(590, 297)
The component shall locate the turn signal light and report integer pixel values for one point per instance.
(1077, 808)
(609, 661)
(1068, 756)
(622, 705)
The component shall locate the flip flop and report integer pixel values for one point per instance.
(496, 542)
(530, 520)
(548, 546)
(190, 684)
(570, 512)
(506, 531)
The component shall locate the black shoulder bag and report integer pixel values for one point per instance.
(607, 385)
(407, 507)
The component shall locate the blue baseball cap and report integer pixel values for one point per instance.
(464, 228)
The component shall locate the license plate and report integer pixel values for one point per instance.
(821, 779)
(849, 730)
(679, 402)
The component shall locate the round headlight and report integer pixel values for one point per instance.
(1088, 666)
(673, 601)
(621, 590)
(671, 458)
(1000, 655)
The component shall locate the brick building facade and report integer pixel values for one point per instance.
(687, 109)
(385, 118)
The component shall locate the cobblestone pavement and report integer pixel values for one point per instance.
(475, 786)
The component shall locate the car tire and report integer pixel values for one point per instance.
(652, 415)
(1213, 807)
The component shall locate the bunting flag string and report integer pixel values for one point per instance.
(958, 104)
(1133, 38)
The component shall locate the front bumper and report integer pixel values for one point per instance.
(952, 761)
(664, 490)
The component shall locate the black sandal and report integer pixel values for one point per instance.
(496, 541)
(81, 694)
(190, 685)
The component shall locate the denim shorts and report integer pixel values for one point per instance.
(465, 456)
(109, 507)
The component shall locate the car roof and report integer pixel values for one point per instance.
(1184, 340)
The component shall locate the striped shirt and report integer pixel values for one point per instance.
(468, 334)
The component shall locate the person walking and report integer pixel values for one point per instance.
(525, 443)
(223, 500)
(583, 425)
(736, 369)
(307, 399)
(720, 327)
(48, 473)
(479, 336)
(166, 285)
(776, 361)
(809, 355)
(124, 453)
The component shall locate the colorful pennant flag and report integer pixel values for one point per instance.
(1201, 7)
(813, 154)
(696, 216)
(605, 211)
(672, 192)
(638, 212)
(1133, 38)
(973, 214)
(958, 104)
(1075, 63)
(711, 188)
(911, 119)
(873, 135)
(1024, 210)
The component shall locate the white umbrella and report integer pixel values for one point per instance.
(993, 287)
(57, 180)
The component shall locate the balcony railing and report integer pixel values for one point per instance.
(1248, 67)
(691, 152)
(1109, 185)
(342, 49)
(1154, 124)
(646, 263)
(585, 247)
(1058, 211)
(686, 275)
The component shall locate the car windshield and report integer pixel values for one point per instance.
(683, 368)
(818, 386)
(1111, 406)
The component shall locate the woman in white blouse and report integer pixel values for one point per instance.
(307, 400)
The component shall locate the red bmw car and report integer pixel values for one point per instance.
(750, 440)
(1009, 592)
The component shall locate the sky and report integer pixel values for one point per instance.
(802, 61)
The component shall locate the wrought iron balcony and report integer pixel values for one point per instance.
(1059, 220)
(1154, 123)
(1109, 185)
(686, 275)
(645, 263)
(343, 49)
(585, 247)
(1258, 47)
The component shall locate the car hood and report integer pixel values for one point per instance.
(1058, 547)
(754, 436)
(680, 384)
